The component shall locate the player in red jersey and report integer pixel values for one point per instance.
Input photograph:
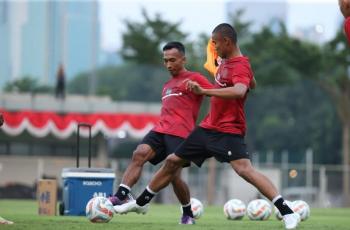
(2, 220)
(179, 113)
(221, 133)
(345, 9)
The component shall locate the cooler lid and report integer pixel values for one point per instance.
(88, 172)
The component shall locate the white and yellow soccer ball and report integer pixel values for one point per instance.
(277, 212)
(234, 209)
(259, 209)
(197, 208)
(99, 210)
(302, 208)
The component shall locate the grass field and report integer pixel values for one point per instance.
(162, 217)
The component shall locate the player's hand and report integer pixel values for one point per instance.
(1, 120)
(194, 87)
(345, 7)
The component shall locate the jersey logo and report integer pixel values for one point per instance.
(169, 93)
(217, 80)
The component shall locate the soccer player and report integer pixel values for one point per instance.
(345, 9)
(221, 133)
(179, 113)
(2, 220)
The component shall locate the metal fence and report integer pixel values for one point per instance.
(215, 183)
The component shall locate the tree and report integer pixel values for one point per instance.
(142, 41)
(127, 82)
(280, 59)
(335, 80)
(26, 85)
(242, 27)
(196, 53)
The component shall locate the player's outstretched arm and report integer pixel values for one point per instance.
(237, 91)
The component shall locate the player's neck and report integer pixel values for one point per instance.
(235, 53)
(180, 72)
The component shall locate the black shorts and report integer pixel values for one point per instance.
(204, 143)
(162, 144)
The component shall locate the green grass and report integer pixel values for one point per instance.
(162, 217)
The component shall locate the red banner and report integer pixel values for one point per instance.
(41, 124)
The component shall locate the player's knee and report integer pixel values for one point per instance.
(172, 164)
(140, 156)
(243, 170)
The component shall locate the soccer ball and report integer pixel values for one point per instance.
(197, 208)
(259, 210)
(277, 212)
(234, 209)
(99, 210)
(302, 208)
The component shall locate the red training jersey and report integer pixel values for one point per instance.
(347, 28)
(227, 115)
(180, 107)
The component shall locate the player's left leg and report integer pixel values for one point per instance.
(132, 174)
(160, 180)
(244, 168)
(182, 192)
(192, 149)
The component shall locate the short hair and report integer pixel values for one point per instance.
(175, 45)
(226, 30)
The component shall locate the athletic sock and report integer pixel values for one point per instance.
(281, 205)
(122, 192)
(186, 209)
(145, 197)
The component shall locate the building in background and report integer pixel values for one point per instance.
(38, 36)
(312, 26)
(4, 43)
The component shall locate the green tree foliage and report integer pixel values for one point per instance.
(282, 113)
(279, 59)
(126, 83)
(242, 27)
(142, 41)
(196, 54)
(294, 117)
(26, 84)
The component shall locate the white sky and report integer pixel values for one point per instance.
(196, 15)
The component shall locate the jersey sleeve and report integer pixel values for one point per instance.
(347, 29)
(243, 75)
(203, 81)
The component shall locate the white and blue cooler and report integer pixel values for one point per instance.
(82, 184)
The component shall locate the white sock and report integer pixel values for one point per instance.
(125, 186)
(276, 198)
(150, 190)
